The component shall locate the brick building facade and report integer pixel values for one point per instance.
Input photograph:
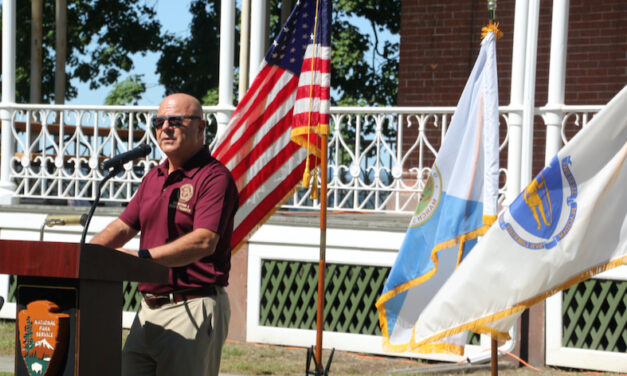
(440, 41)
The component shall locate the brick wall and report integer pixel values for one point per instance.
(440, 42)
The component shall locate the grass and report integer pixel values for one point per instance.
(257, 359)
(7, 337)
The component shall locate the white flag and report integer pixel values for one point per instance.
(457, 205)
(569, 224)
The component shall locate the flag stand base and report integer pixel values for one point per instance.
(318, 370)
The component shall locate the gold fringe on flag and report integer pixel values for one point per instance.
(491, 27)
(307, 174)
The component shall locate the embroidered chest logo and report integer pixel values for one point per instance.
(186, 193)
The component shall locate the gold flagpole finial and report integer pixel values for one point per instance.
(492, 26)
(492, 10)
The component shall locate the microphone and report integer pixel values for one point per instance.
(66, 220)
(139, 152)
(62, 220)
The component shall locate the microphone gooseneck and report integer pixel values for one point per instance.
(113, 166)
(119, 160)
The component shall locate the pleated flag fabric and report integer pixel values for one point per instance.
(275, 127)
(567, 225)
(458, 204)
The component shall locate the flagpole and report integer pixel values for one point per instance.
(494, 363)
(323, 247)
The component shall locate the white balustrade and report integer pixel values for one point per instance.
(56, 151)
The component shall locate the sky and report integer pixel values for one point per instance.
(174, 17)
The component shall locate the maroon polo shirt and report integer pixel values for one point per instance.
(202, 194)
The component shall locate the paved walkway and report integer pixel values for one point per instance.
(6, 363)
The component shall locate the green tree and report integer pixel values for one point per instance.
(28, 335)
(191, 64)
(364, 68)
(128, 91)
(211, 98)
(102, 36)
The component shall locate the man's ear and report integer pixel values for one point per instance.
(203, 126)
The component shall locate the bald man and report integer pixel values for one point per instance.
(184, 209)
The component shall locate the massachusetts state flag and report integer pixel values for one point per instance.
(458, 204)
(567, 225)
(275, 128)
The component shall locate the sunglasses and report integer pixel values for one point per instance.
(174, 121)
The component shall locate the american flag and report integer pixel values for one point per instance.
(286, 107)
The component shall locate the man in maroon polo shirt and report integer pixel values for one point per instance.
(184, 209)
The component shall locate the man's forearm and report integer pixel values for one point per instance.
(115, 235)
(186, 249)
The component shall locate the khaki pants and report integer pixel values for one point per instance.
(183, 338)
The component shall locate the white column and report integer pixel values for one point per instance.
(227, 47)
(61, 51)
(516, 101)
(257, 35)
(7, 187)
(244, 48)
(557, 78)
(526, 168)
(36, 38)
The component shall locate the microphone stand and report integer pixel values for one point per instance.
(114, 171)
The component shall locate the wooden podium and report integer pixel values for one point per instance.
(86, 284)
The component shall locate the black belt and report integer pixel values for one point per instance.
(156, 301)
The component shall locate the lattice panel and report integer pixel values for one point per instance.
(595, 316)
(289, 296)
(473, 339)
(12, 288)
(132, 297)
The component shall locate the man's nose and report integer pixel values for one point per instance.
(166, 123)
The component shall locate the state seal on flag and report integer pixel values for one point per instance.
(429, 198)
(542, 214)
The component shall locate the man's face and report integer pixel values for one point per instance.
(184, 141)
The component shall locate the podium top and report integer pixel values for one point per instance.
(68, 260)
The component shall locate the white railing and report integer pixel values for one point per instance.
(55, 151)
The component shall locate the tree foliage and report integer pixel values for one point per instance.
(364, 65)
(128, 91)
(191, 64)
(102, 36)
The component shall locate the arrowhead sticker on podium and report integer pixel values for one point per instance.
(43, 336)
